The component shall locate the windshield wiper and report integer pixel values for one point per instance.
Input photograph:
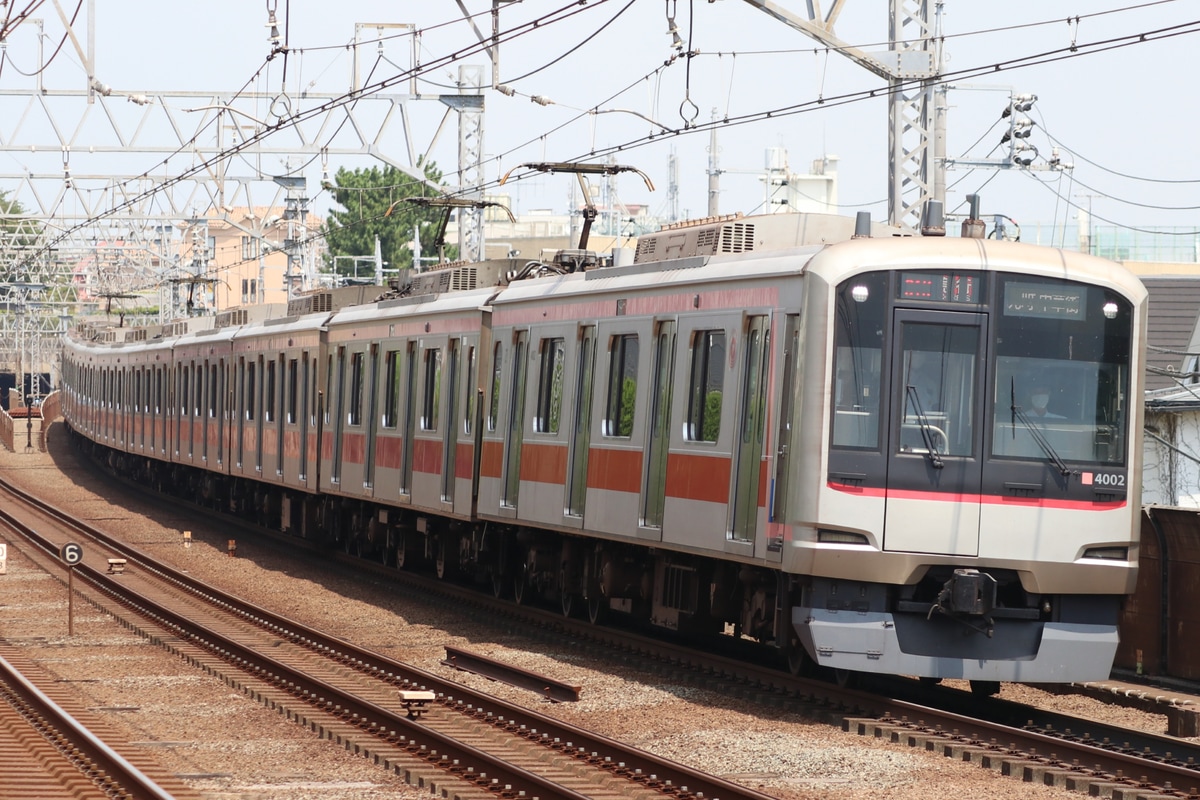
(1036, 432)
(926, 428)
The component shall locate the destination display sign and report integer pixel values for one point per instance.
(941, 287)
(1042, 300)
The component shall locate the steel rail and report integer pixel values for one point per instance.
(654, 772)
(103, 764)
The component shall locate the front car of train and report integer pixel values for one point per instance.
(970, 504)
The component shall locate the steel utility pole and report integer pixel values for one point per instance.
(912, 66)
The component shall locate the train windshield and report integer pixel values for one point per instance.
(1054, 355)
(1061, 371)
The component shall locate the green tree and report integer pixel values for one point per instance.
(373, 205)
(19, 236)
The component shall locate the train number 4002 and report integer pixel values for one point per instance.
(1106, 479)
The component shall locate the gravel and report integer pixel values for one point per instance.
(227, 747)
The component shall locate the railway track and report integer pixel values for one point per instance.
(1020, 741)
(43, 728)
(436, 732)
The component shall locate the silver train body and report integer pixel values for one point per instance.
(762, 426)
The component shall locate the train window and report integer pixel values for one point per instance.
(622, 386)
(184, 374)
(250, 391)
(857, 359)
(494, 406)
(197, 388)
(391, 402)
(1061, 372)
(432, 389)
(292, 381)
(469, 406)
(550, 386)
(938, 368)
(212, 391)
(328, 387)
(269, 399)
(706, 385)
(354, 414)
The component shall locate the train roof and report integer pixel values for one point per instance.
(712, 250)
(841, 261)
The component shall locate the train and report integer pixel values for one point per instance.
(870, 449)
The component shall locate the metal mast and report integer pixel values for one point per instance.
(916, 112)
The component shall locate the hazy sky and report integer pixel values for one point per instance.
(1126, 117)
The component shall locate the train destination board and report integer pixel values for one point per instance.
(1040, 300)
(944, 287)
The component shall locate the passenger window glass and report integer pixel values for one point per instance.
(494, 405)
(356, 389)
(622, 386)
(550, 386)
(705, 387)
(433, 389)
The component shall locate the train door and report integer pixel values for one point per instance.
(659, 435)
(306, 393)
(218, 401)
(278, 398)
(369, 420)
(339, 416)
(748, 450)
(240, 410)
(516, 418)
(788, 394)
(410, 418)
(450, 435)
(581, 429)
(935, 439)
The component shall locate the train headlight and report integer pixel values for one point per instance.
(1107, 553)
(860, 293)
(1110, 310)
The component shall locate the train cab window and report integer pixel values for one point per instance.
(354, 414)
(391, 401)
(622, 386)
(857, 358)
(1061, 380)
(550, 386)
(938, 369)
(431, 397)
(706, 386)
(494, 406)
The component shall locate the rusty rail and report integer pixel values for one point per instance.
(550, 688)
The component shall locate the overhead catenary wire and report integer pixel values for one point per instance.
(1076, 50)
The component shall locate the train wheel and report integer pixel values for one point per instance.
(797, 657)
(845, 678)
(400, 551)
(497, 584)
(595, 607)
(568, 597)
(440, 559)
(520, 584)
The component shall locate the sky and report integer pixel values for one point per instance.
(1124, 116)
